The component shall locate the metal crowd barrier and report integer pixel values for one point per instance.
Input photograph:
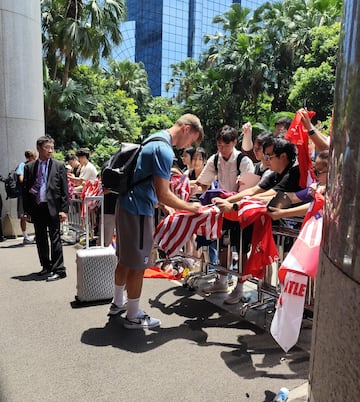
(73, 229)
(267, 289)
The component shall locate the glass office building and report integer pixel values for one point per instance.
(164, 32)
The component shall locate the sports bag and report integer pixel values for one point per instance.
(11, 185)
(118, 172)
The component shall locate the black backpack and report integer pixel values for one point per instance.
(238, 161)
(11, 185)
(118, 172)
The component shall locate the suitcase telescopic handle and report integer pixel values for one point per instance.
(87, 218)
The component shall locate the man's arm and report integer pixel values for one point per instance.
(166, 197)
(247, 192)
(226, 205)
(320, 140)
(247, 143)
(278, 213)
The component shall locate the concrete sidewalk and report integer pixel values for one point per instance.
(52, 351)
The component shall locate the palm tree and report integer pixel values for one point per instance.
(131, 78)
(79, 29)
(67, 112)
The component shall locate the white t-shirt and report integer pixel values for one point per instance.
(227, 173)
(88, 172)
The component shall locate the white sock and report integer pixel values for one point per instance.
(25, 235)
(133, 310)
(119, 295)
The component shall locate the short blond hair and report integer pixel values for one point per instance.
(29, 153)
(192, 121)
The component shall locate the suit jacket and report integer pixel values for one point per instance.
(56, 188)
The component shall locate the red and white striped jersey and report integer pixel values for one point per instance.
(175, 230)
(180, 186)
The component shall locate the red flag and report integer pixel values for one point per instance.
(298, 135)
(303, 256)
(157, 272)
(263, 247)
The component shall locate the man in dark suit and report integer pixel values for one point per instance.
(45, 195)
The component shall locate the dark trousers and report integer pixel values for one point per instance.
(45, 224)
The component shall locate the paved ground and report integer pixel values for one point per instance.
(53, 352)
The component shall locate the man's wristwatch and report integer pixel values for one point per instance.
(311, 132)
(235, 207)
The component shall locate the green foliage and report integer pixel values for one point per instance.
(258, 67)
(67, 110)
(89, 109)
(314, 85)
(76, 30)
(131, 78)
(166, 106)
(58, 155)
(103, 151)
(248, 71)
(324, 47)
(115, 117)
(154, 123)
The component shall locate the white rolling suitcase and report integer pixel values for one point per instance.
(95, 265)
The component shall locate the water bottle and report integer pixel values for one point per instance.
(282, 395)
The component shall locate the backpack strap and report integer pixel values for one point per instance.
(157, 138)
(147, 141)
(216, 161)
(238, 161)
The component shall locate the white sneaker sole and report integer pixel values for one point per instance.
(119, 310)
(141, 325)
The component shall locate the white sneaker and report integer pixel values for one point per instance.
(28, 240)
(217, 287)
(144, 321)
(114, 309)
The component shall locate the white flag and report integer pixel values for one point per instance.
(285, 326)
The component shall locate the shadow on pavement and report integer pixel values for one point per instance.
(17, 245)
(269, 361)
(79, 304)
(30, 277)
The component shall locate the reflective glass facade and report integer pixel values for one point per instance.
(164, 32)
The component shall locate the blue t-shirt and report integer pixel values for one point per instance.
(20, 169)
(155, 159)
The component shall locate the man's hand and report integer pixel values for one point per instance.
(275, 213)
(223, 205)
(305, 118)
(167, 210)
(195, 207)
(62, 216)
(247, 129)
